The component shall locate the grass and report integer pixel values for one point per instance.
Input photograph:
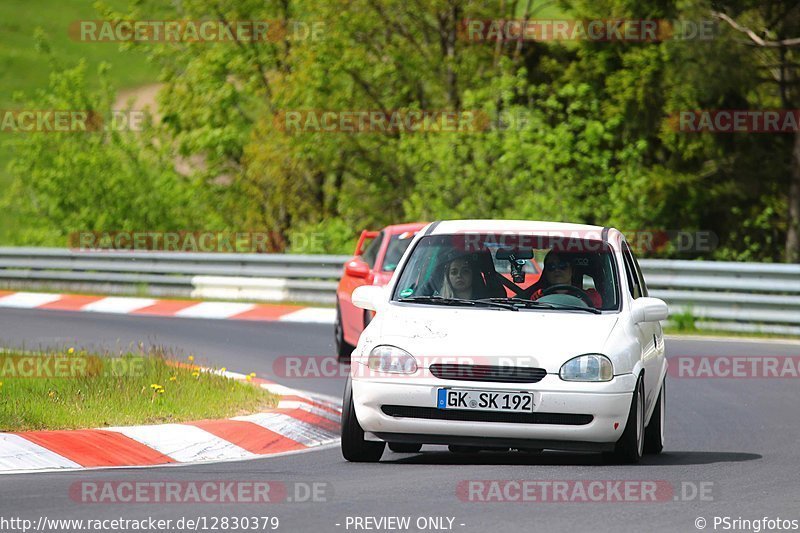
(116, 390)
(24, 69)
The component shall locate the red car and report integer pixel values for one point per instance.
(373, 263)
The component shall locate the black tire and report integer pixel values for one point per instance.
(354, 448)
(630, 446)
(405, 447)
(343, 349)
(654, 434)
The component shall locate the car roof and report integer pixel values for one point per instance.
(402, 228)
(444, 227)
(568, 230)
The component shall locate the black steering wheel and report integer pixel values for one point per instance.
(570, 289)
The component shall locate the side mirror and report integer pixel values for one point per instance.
(368, 297)
(647, 309)
(356, 268)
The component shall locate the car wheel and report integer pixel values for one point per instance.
(354, 448)
(630, 446)
(405, 447)
(654, 434)
(343, 349)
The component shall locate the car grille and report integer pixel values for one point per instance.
(498, 374)
(432, 413)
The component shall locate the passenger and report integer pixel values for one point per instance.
(558, 271)
(461, 279)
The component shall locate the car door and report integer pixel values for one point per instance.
(649, 333)
(352, 316)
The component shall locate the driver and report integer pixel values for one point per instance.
(558, 271)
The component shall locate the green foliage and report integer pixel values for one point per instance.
(684, 322)
(101, 179)
(578, 131)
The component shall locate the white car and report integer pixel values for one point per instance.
(472, 348)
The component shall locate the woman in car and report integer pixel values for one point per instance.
(558, 270)
(462, 279)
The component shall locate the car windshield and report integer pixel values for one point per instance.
(529, 271)
(398, 244)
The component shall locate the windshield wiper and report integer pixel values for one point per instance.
(533, 304)
(439, 300)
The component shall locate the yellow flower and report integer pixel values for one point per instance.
(1, 384)
(223, 369)
(190, 358)
(160, 391)
(173, 378)
(155, 386)
(71, 351)
(195, 374)
(51, 394)
(252, 374)
(249, 378)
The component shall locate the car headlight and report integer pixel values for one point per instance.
(587, 367)
(391, 359)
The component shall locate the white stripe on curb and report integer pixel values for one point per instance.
(184, 443)
(214, 310)
(28, 300)
(17, 453)
(292, 428)
(118, 305)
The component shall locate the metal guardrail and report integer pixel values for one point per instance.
(720, 295)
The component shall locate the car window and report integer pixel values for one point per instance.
(398, 244)
(509, 266)
(630, 272)
(638, 270)
(371, 253)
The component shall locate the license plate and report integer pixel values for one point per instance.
(481, 400)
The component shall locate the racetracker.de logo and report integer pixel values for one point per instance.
(735, 366)
(594, 30)
(582, 491)
(382, 122)
(69, 121)
(69, 366)
(736, 121)
(200, 491)
(194, 31)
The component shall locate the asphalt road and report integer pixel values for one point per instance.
(735, 439)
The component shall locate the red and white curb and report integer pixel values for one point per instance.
(301, 421)
(166, 308)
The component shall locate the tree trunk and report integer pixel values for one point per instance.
(793, 234)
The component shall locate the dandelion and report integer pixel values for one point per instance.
(1, 385)
(195, 374)
(155, 386)
(160, 391)
(173, 378)
(190, 358)
(223, 369)
(71, 351)
(51, 394)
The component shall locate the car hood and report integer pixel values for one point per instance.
(541, 339)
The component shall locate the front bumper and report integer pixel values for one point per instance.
(608, 404)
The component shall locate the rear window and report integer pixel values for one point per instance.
(398, 244)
